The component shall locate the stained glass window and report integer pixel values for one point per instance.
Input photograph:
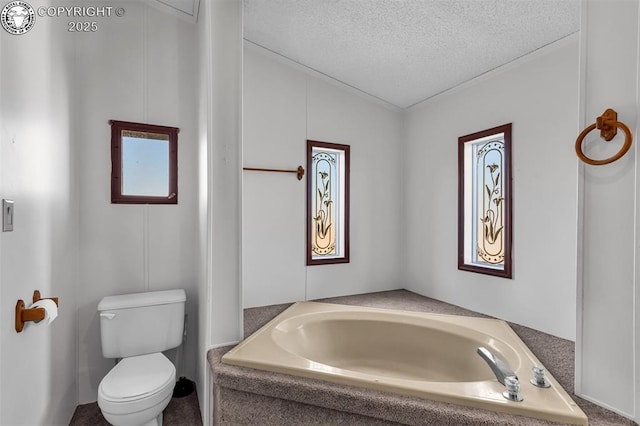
(485, 202)
(327, 203)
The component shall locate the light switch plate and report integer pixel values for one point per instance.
(7, 215)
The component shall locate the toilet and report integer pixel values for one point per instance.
(136, 328)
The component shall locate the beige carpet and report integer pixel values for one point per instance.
(180, 412)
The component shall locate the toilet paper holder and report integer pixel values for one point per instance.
(32, 314)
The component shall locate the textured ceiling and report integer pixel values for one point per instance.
(406, 51)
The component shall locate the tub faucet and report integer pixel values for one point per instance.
(499, 368)
(503, 373)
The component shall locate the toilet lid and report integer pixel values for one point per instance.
(137, 377)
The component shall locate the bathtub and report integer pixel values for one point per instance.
(430, 356)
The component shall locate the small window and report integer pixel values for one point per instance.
(484, 216)
(327, 203)
(144, 163)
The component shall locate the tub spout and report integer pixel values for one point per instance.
(499, 368)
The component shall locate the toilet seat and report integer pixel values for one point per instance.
(137, 384)
(137, 378)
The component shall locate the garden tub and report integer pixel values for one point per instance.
(430, 356)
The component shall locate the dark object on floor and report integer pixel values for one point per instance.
(183, 387)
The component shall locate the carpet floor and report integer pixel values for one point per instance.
(183, 411)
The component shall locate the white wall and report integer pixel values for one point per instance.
(224, 168)
(37, 171)
(141, 68)
(204, 300)
(539, 95)
(608, 338)
(219, 202)
(284, 105)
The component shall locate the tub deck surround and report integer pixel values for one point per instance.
(431, 356)
(246, 395)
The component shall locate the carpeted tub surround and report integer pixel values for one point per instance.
(245, 396)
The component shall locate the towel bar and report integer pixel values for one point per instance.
(299, 171)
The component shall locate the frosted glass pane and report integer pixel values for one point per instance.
(485, 211)
(490, 217)
(325, 203)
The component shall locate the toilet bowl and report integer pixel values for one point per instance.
(136, 328)
(137, 390)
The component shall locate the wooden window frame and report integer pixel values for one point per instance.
(116, 163)
(344, 258)
(507, 270)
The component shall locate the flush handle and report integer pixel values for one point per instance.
(107, 315)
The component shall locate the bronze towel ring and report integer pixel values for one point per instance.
(608, 125)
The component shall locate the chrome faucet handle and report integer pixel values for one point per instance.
(503, 373)
(539, 377)
(499, 367)
(513, 389)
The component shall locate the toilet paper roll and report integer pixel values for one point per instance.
(50, 309)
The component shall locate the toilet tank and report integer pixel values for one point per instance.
(141, 323)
